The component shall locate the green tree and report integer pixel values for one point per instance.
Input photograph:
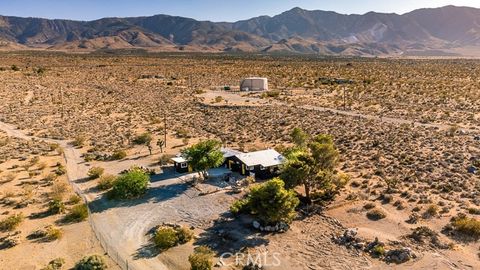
(132, 184)
(270, 202)
(204, 156)
(312, 165)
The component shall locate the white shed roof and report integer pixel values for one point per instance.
(266, 158)
(179, 159)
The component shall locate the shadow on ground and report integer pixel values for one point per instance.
(231, 234)
(153, 195)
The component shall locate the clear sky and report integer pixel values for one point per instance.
(215, 10)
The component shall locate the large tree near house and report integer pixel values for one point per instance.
(311, 164)
(204, 156)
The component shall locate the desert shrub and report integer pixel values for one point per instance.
(74, 199)
(369, 206)
(15, 68)
(58, 190)
(55, 264)
(61, 170)
(79, 141)
(376, 214)
(432, 211)
(218, 99)
(11, 222)
(92, 262)
(118, 155)
(184, 235)
(270, 202)
(129, 185)
(78, 213)
(56, 206)
(201, 259)
(106, 182)
(95, 172)
(467, 226)
(144, 138)
(53, 233)
(270, 94)
(167, 237)
(378, 251)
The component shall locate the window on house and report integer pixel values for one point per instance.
(183, 165)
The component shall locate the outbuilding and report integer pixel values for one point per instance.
(181, 164)
(254, 84)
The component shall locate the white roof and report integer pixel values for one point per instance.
(227, 152)
(266, 158)
(178, 159)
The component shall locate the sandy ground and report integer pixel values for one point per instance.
(78, 239)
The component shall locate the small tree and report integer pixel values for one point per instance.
(132, 184)
(270, 202)
(161, 144)
(311, 164)
(204, 156)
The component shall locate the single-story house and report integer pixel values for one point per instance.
(254, 84)
(261, 164)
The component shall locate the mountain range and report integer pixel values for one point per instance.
(442, 31)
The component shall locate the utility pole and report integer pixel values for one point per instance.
(61, 100)
(165, 127)
(344, 99)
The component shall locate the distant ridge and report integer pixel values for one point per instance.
(448, 30)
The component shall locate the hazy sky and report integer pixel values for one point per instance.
(216, 10)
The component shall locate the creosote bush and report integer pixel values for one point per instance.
(78, 213)
(467, 226)
(376, 214)
(95, 172)
(201, 259)
(55, 264)
(11, 222)
(92, 262)
(106, 182)
(132, 184)
(56, 206)
(166, 237)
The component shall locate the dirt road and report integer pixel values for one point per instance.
(236, 99)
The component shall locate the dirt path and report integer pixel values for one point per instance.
(235, 99)
(77, 170)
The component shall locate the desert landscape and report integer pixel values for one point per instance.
(407, 132)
